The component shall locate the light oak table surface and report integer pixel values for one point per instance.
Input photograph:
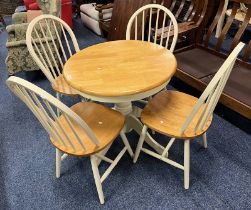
(119, 68)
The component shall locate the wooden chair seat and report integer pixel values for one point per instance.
(167, 112)
(52, 57)
(198, 63)
(61, 86)
(182, 116)
(105, 123)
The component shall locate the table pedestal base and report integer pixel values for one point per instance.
(133, 123)
(125, 108)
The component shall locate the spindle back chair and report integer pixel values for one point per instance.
(146, 33)
(189, 15)
(212, 49)
(43, 106)
(210, 97)
(165, 114)
(45, 33)
(227, 27)
(70, 133)
(189, 11)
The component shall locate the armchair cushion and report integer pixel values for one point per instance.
(31, 14)
(34, 6)
(27, 3)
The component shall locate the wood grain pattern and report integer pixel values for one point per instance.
(122, 11)
(104, 122)
(120, 68)
(167, 111)
(61, 86)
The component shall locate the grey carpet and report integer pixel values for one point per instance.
(220, 175)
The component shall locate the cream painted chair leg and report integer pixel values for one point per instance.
(97, 179)
(126, 143)
(186, 163)
(140, 143)
(58, 162)
(58, 97)
(205, 140)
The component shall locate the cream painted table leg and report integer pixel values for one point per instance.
(132, 122)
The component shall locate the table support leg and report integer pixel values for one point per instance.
(133, 123)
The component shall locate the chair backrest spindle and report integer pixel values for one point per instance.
(155, 13)
(50, 42)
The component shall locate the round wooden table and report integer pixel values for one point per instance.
(120, 72)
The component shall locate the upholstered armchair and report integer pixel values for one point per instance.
(18, 58)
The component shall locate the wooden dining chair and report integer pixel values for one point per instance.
(182, 116)
(51, 42)
(158, 16)
(82, 130)
(152, 17)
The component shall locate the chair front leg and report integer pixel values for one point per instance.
(126, 143)
(58, 162)
(205, 140)
(186, 163)
(140, 143)
(97, 179)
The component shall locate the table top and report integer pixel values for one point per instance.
(119, 68)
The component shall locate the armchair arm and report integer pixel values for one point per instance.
(101, 7)
(18, 18)
(17, 32)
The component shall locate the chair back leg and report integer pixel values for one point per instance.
(186, 163)
(205, 140)
(58, 162)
